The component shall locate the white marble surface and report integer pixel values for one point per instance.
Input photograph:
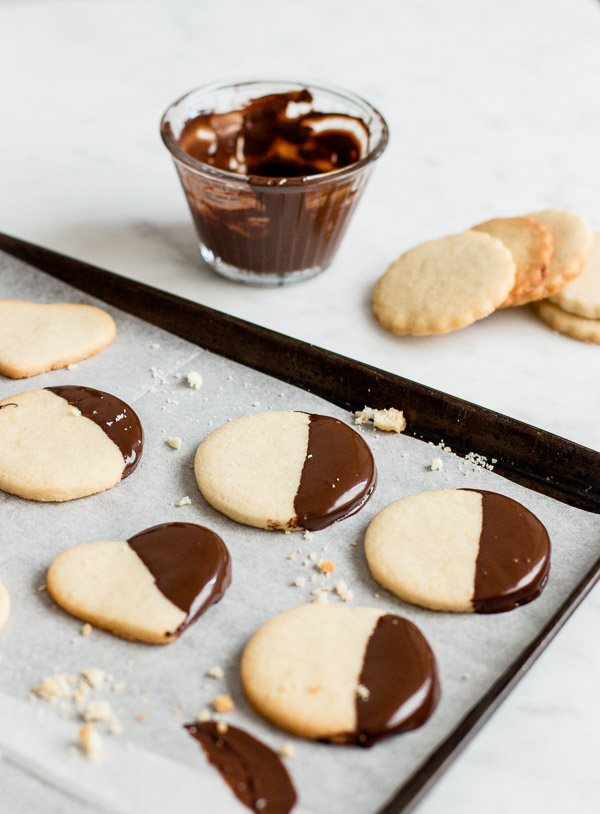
(493, 109)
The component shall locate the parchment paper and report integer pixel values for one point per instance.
(154, 766)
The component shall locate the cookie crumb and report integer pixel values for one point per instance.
(325, 566)
(119, 686)
(194, 380)
(287, 749)
(223, 703)
(203, 716)
(437, 464)
(94, 676)
(72, 366)
(299, 582)
(142, 718)
(307, 535)
(98, 711)
(343, 591)
(74, 411)
(42, 588)
(155, 346)
(292, 556)
(215, 672)
(222, 727)
(389, 420)
(466, 676)
(185, 501)
(353, 543)
(86, 629)
(56, 686)
(91, 743)
(363, 692)
(256, 403)
(174, 441)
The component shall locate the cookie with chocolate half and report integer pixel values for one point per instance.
(285, 470)
(348, 675)
(66, 442)
(4, 606)
(36, 337)
(149, 588)
(460, 550)
(253, 771)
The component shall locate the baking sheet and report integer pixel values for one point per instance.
(472, 650)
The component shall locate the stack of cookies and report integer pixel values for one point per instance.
(550, 258)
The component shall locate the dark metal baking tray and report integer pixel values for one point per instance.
(526, 455)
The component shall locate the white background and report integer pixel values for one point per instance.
(494, 109)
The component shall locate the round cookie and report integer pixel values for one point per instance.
(4, 606)
(66, 442)
(582, 295)
(572, 238)
(35, 338)
(531, 246)
(459, 550)
(149, 588)
(285, 470)
(586, 330)
(444, 284)
(348, 675)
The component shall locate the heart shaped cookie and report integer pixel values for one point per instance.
(65, 442)
(35, 338)
(149, 588)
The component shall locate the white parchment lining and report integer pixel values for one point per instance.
(154, 766)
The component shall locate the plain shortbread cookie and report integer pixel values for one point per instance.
(582, 295)
(531, 246)
(585, 330)
(572, 238)
(444, 284)
(35, 338)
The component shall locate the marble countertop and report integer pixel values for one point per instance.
(493, 110)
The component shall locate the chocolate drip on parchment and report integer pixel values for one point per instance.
(190, 565)
(338, 477)
(513, 562)
(252, 770)
(115, 417)
(400, 677)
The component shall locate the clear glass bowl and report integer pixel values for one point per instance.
(266, 230)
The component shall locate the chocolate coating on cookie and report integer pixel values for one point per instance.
(513, 562)
(252, 770)
(113, 416)
(338, 477)
(190, 564)
(401, 681)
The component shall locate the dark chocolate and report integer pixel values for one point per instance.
(262, 138)
(513, 562)
(190, 565)
(338, 477)
(400, 673)
(112, 415)
(252, 770)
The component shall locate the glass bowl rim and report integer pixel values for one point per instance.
(284, 182)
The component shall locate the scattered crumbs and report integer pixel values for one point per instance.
(155, 346)
(81, 692)
(172, 401)
(447, 449)
(174, 441)
(390, 420)
(185, 501)
(305, 562)
(479, 461)
(376, 596)
(94, 676)
(256, 403)
(363, 692)
(437, 464)
(354, 543)
(98, 711)
(156, 373)
(494, 460)
(299, 582)
(194, 380)
(325, 566)
(466, 676)
(56, 686)
(91, 743)
(215, 672)
(115, 728)
(343, 591)
(313, 578)
(203, 716)
(223, 703)
(312, 556)
(42, 588)
(307, 535)
(287, 749)
(322, 598)
(230, 378)
(292, 556)
(119, 686)
(142, 718)
(72, 366)
(86, 629)
(222, 728)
